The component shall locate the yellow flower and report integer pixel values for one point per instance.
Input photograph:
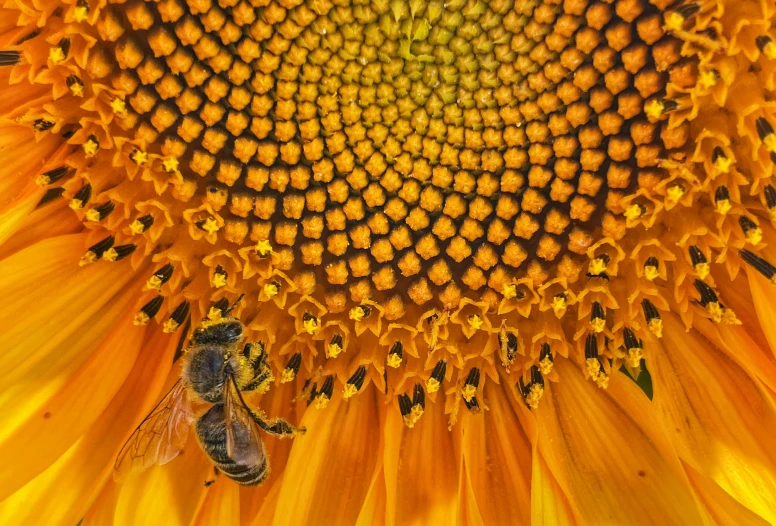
(452, 235)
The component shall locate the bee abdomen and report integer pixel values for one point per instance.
(243, 474)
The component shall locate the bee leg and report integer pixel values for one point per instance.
(262, 376)
(278, 427)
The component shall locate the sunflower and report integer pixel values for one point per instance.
(508, 261)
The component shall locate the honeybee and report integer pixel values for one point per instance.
(216, 372)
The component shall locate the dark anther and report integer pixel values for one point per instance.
(366, 310)
(473, 378)
(717, 153)
(327, 388)
(669, 105)
(439, 371)
(28, 36)
(357, 379)
(74, 83)
(721, 194)
(605, 258)
(746, 224)
(419, 396)
(220, 270)
(151, 308)
(546, 352)
(591, 347)
(104, 210)
(630, 340)
(84, 194)
(759, 264)
(52, 176)
(652, 261)
(597, 313)
(688, 11)
(123, 251)
(764, 128)
(472, 405)
(510, 344)
(397, 349)
(696, 256)
(164, 274)
(50, 195)
(650, 311)
(536, 376)
(10, 58)
(433, 318)
(525, 390)
(313, 392)
(336, 340)
(180, 312)
(146, 221)
(221, 305)
(64, 45)
(294, 363)
(98, 249)
(707, 293)
(405, 405)
(762, 41)
(308, 317)
(42, 125)
(770, 196)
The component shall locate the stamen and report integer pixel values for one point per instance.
(676, 19)
(752, 232)
(100, 212)
(50, 195)
(395, 355)
(75, 85)
(598, 265)
(470, 385)
(507, 343)
(437, 376)
(512, 291)
(707, 293)
(271, 289)
(633, 348)
(720, 161)
(81, 197)
(310, 323)
(355, 382)
(52, 176)
(91, 146)
(759, 264)
(160, 277)
(597, 317)
(292, 368)
(219, 277)
(335, 346)
(138, 157)
(10, 58)
(148, 311)
(42, 125)
(360, 312)
(770, 201)
(765, 131)
(59, 52)
(559, 304)
(81, 12)
(722, 200)
(546, 359)
(651, 268)
(413, 410)
(699, 262)
(177, 318)
(654, 323)
(120, 252)
(325, 394)
(218, 309)
(141, 224)
(263, 248)
(96, 251)
(474, 321)
(766, 46)
(534, 391)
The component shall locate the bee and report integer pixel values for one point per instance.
(215, 372)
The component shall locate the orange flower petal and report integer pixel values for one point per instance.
(328, 472)
(610, 469)
(549, 506)
(52, 220)
(497, 460)
(718, 418)
(765, 304)
(221, 506)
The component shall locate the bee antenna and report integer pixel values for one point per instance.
(233, 305)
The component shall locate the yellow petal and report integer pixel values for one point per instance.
(720, 421)
(373, 510)
(329, 470)
(169, 495)
(79, 475)
(611, 470)
(52, 220)
(422, 469)
(549, 506)
(221, 506)
(724, 508)
(13, 214)
(497, 460)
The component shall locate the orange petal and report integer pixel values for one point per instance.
(169, 495)
(330, 468)
(610, 469)
(221, 506)
(52, 220)
(764, 301)
(373, 510)
(422, 469)
(104, 507)
(549, 506)
(497, 460)
(720, 421)
(79, 475)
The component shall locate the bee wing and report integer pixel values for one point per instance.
(160, 437)
(243, 444)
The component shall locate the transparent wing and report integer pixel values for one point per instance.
(243, 444)
(160, 437)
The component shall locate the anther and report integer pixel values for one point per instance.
(75, 85)
(759, 264)
(52, 176)
(355, 382)
(722, 200)
(324, 395)
(752, 232)
(598, 265)
(310, 323)
(412, 409)
(770, 201)
(591, 347)
(10, 58)
(594, 367)
(707, 293)
(91, 146)
(635, 211)
(292, 368)
(699, 262)
(81, 12)
(139, 157)
(676, 18)
(474, 321)
(81, 197)
(263, 248)
(335, 346)
(559, 304)
(656, 108)
(160, 277)
(141, 224)
(59, 52)
(507, 343)
(97, 250)
(651, 268)
(42, 125)
(271, 289)
(395, 355)
(359, 313)
(633, 348)
(470, 384)
(510, 291)
(148, 311)
(720, 161)
(651, 314)
(765, 131)
(597, 317)
(209, 225)
(100, 212)
(220, 277)
(50, 195)
(119, 252)
(766, 45)
(437, 376)
(177, 317)
(546, 359)
(218, 309)
(170, 164)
